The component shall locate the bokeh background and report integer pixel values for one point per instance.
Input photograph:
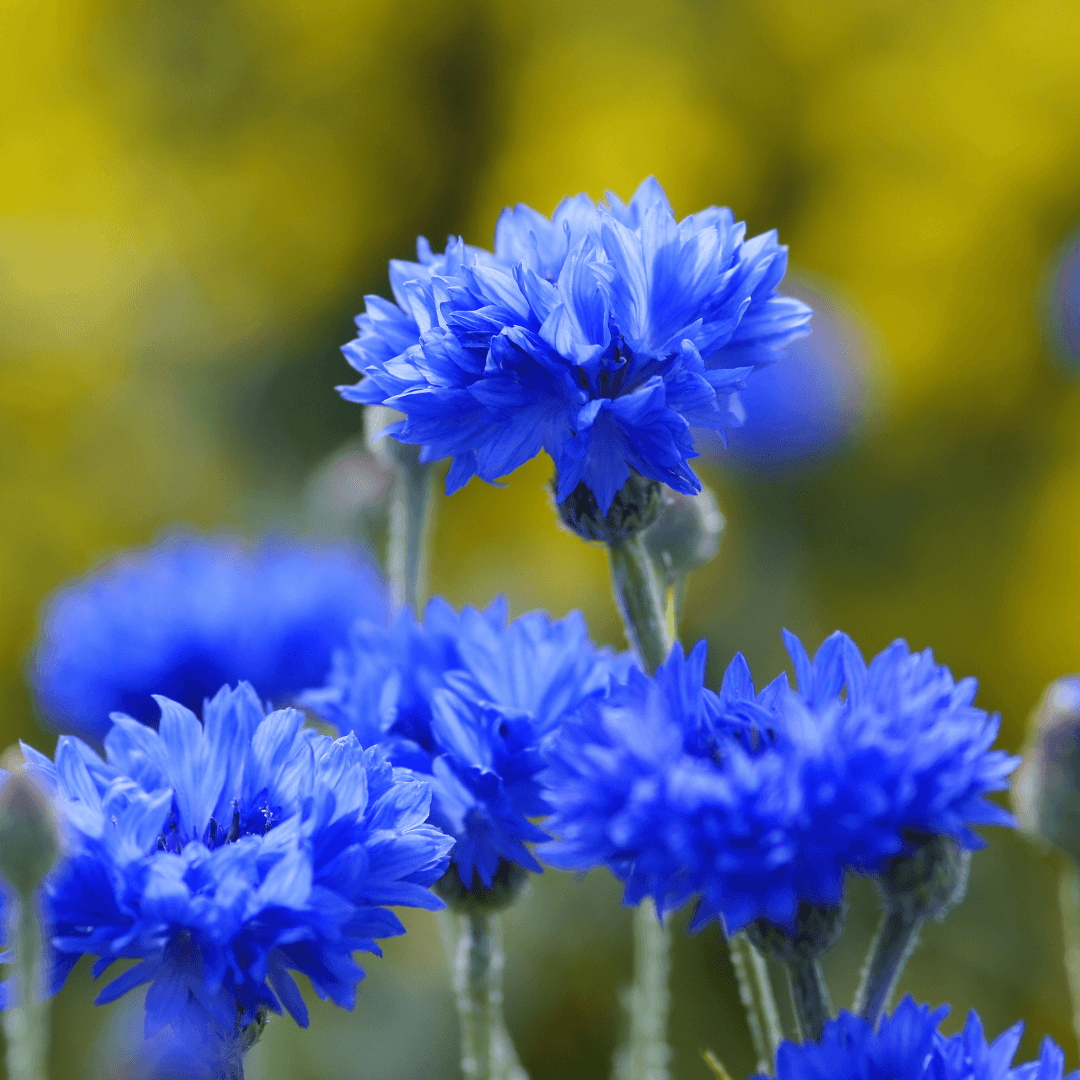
(195, 198)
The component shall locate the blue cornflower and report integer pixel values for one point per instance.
(225, 854)
(908, 1046)
(189, 614)
(601, 336)
(467, 701)
(755, 803)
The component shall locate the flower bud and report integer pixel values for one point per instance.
(29, 836)
(929, 882)
(686, 535)
(636, 506)
(817, 930)
(506, 886)
(1046, 787)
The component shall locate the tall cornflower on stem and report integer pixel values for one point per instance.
(467, 701)
(601, 335)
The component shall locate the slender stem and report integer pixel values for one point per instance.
(410, 528)
(504, 1056)
(487, 1052)
(27, 1024)
(755, 989)
(1069, 899)
(646, 1054)
(809, 997)
(896, 939)
(640, 602)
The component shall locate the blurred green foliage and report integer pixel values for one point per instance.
(196, 197)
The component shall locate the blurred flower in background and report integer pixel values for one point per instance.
(813, 401)
(1061, 305)
(192, 613)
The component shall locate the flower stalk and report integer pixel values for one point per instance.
(410, 528)
(925, 884)
(646, 1055)
(26, 1025)
(897, 936)
(755, 990)
(809, 997)
(487, 1052)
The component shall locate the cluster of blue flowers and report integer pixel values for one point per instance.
(602, 336)
(224, 854)
(908, 1046)
(755, 803)
(189, 614)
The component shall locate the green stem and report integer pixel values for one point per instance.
(896, 939)
(640, 602)
(410, 528)
(646, 1054)
(27, 1024)
(809, 998)
(1069, 899)
(755, 989)
(487, 1052)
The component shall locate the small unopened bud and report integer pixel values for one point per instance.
(686, 535)
(506, 886)
(929, 882)
(817, 930)
(636, 506)
(29, 836)
(1046, 787)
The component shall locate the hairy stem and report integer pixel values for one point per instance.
(646, 1054)
(487, 1052)
(755, 989)
(896, 939)
(809, 998)
(410, 528)
(26, 1025)
(640, 602)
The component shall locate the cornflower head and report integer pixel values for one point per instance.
(757, 803)
(188, 614)
(468, 700)
(601, 335)
(226, 854)
(908, 1046)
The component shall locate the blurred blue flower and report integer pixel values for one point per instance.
(1062, 304)
(467, 701)
(908, 1046)
(810, 404)
(225, 854)
(188, 614)
(754, 802)
(600, 336)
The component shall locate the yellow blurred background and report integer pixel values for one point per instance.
(196, 197)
